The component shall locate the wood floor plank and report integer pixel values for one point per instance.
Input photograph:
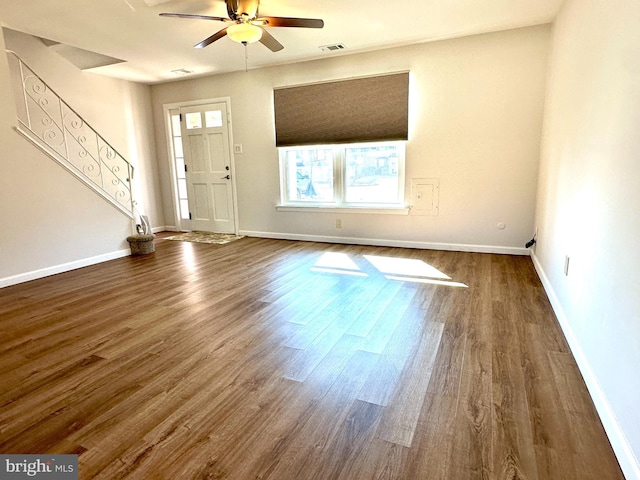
(472, 448)
(511, 417)
(388, 320)
(371, 313)
(401, 416)
(430, 455)
(254, 359)
(405, 340)
(333, 428)
(330, 315)
(382, 461)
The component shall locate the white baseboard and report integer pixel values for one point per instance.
(65, 267)
(619, 442)
(164, 229)
(389, 243)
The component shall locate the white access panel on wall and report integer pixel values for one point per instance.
(425, 196)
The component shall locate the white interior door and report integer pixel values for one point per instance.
(207, 156)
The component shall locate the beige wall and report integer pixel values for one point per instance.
(51, 221)
(589, 204)
(475, 123)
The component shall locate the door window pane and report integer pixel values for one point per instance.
(194, 120)
(310, 175)
(177, 146)
(371, 174)
(175, 125)
(184, 209)
(213, 118)
(180, 173)
(179, 165)
(182, 188)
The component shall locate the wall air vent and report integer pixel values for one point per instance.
(333, 48)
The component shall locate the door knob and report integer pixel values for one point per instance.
(226, 176)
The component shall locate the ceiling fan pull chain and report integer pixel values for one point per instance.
(246, 57)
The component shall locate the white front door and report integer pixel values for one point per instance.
(207, 157)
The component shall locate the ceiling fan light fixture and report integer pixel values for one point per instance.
(244, 33)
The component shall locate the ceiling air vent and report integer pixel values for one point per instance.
(153, 3)
(181, 71)
(333, 48)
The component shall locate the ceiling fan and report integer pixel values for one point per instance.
(248, 26)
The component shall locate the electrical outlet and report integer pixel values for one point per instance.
(338, 223)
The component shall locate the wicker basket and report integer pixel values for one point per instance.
(141, 244)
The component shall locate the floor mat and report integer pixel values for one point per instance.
(205, 237)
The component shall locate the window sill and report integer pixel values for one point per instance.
(351, 209)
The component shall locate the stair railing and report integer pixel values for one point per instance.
(46, 120)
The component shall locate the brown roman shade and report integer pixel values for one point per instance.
(366, 109)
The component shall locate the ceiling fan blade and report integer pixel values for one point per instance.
(196, 17)
(292, 22)
(209, 40)
(271, 43)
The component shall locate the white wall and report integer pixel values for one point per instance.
(49, 220)
(589, 205)
(475, 122)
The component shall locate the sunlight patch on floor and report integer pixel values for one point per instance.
(405, 266)
(336, 260)
(393, 268)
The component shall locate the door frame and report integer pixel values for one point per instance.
(167, 109)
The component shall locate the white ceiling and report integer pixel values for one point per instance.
(153, 46)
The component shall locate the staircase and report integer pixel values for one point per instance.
(48, 122)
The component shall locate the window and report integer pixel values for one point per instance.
(309, 174)
(180, 170)
(342, 142)
(194, 120)
(213, 118)
(355, 175)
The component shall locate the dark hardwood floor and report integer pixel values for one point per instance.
(290, 360)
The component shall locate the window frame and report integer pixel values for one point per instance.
(339, 201)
